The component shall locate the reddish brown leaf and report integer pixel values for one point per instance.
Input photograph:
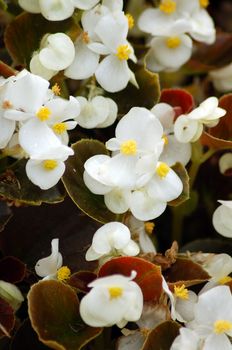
(7, 319)
(178, 98)
(12, 269)
(81, 279)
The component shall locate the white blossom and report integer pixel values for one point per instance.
(222, 78)
(11, 294)
(225, 163)
(222, 218)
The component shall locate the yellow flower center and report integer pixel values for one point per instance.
(173, 42)
(50, 164)
(123, 52)
(131, 21)
(115, 292)
(56, 89)
(221, 326)
(181, 292)
(7, 104)
(63, 273)
(162, 170)
(204, 3)
(129, 148)
(59, 128)
(149, 227)
(225, 280)
(168, 6)
(165, 139)
(43, 114)
(85, 37)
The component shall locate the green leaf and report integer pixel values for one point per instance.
(162, 337)
(147, 95)
(15, 186)
(24, 33)
(54, 313)
(183, 175)
(91, 204)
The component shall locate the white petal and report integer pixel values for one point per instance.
(37, 68)
(58, 52)
(219, 266)
(95, 186)
(117, 200)
(203, 29)
(133, 341)
(50, 265)
(222, 220)
(113, 112)
(92, 112)
(217, 341)
(185, 129)
(176, 151)
(225, 162)
(56, 10)
(187, 339)
(97, 168)
(32, 6)
(84, 4)
(165, 113)
(6, 131)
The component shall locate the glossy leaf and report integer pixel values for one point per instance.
(178, 98)
(91, 204)
(147, 95)
(53, 311)
(162, 337)
(148, 275)
(183, 175)
(7, 319)
(15, 186)
(12, 270)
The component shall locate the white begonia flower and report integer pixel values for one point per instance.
(182, 302)
(140, 231)
(188, 128)
(222, 78)
(112, 239)
(202, 27)
(48, 267)
(169, 53)
(56, 10)
(112, 300)
(213, 318)
(222, 218)
(56, 53)
(11, 294)
(188, 339)
(174, 151)
(225, 163)
(96, 113)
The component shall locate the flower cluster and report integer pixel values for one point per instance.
(172, 25)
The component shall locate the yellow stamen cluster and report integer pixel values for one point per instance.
(129, 148)
(162, 170)
(59, 128)
(115, 292)
(56, 89)
(7, 104)
(204, 3)
(168, 6)
(85, 37)
(43, 114)
(165, 139)
(131, 21)
(50, 164)
(123, 52)
(225, 280)
(149, 227)
(181, 292)
(173, 42)
(63, 274)
(221, 326)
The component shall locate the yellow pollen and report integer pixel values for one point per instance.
(168, 6)
(181, 292)
(221, 326)
(43, 114)
(165, 138)
(162, 170)
(59, 128)
(204, 3)
(225, 280)
(123, 52)
(149, 227)
(7, 105)
(129, 148)
(173, 42)
(63, 273)
(131, 21)
(85, 37)
(56, 89)
(115, 292)
(50, 164)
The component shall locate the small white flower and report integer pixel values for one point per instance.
(112, 300)
(225, 163)
(56, 53)
(139, 232)
(222, 78)
(48, 267)
(222, 218)
(11, 294)
(112, 239)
